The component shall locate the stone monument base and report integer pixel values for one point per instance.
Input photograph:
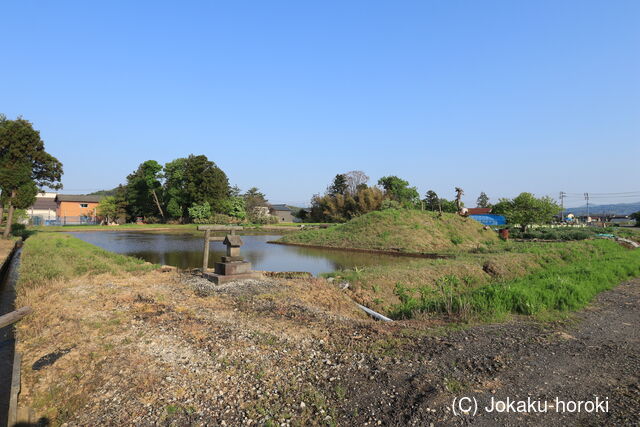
(220, 279)
(232, 267)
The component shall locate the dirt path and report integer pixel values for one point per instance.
(597, 353)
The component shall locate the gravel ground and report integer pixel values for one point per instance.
(274, 352)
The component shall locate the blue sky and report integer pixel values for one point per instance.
(494, 96)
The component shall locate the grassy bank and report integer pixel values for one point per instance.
(48, 257)
(560, 277)
(409, 231)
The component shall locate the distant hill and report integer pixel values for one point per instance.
(103, 193)
(612, 209)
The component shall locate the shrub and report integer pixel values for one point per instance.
(200, 212)
(217, 219)
(266, 219)
(151, 220)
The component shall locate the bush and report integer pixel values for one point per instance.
(390, 204)
(552, 234)
(200, 212)
(151, 220)
(266, 219)
(217, 219)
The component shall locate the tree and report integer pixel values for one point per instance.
(398, 189)
(459, 193)
(526, 210)
(107, 208)
(356, 180)
(431, 200)
(339, 185)
(636, 216)
(368, 199)
(254, 200)
(174, 188)
(449, 206)
(121, 204)
(302, 214)
(204, 182)
(483, 201)
(343, 207)
(143, 186)
(195, 180)
(152, 177)
(235, 191)
(25, 165)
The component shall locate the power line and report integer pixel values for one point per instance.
(606, 194)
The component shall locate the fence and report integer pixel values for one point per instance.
(65, 220)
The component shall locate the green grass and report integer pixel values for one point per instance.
(50, 256)
(568, 280)
(572, 233)
(400, 230)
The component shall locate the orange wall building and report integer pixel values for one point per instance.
(69, 205)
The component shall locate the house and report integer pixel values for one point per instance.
(282, 212)
(76, 208)
(43, 209)
(478, 211)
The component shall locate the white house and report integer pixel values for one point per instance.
(43, 209)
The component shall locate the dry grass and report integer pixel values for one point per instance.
(143, 348)
(6, 246)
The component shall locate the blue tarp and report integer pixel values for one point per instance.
(489, 219)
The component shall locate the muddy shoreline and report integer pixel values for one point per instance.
(370, 251)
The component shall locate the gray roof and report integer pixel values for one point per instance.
(78, 198)
(44, 203)
(280, 208)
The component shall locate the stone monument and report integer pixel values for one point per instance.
(232, 266)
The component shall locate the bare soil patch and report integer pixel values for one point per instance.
(156, 348)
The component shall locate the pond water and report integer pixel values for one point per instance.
(185, 251)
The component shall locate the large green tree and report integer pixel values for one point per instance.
(431, 201)
(339, 185)
(205, 182)
(25, 166)
(398, 189)
(142, 190)
(174, 188)
(526, 209)
(108, 208)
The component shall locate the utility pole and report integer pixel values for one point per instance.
(562, 194)
(586, 197)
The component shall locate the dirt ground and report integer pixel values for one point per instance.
(169, 349)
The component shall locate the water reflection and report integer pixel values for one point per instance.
(185, 251)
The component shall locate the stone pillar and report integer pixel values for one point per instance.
(205, 257)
